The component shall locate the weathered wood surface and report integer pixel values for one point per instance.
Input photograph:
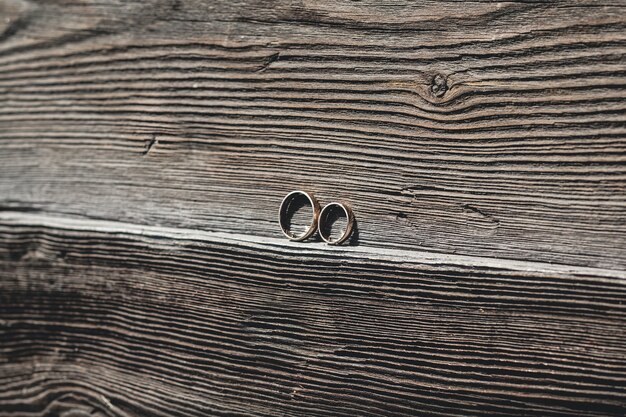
(479, 128)
(129, 320)
(145, 147)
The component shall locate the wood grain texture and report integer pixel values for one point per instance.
(113, 319)
(145, 147)
(478, 128)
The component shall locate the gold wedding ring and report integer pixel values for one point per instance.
(288, 208)
(324, 216)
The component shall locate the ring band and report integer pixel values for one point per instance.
(284, 211)
(323, 217)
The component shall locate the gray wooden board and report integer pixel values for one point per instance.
(145, 147)
(120, 319)
(479, 128)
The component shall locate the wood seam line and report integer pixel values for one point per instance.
(309, 249)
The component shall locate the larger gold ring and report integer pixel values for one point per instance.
(283, 215)
(323, 218)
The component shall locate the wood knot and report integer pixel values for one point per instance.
(439, 85)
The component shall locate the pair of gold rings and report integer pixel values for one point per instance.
(320, 218)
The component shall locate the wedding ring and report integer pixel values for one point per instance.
(291, 203)
(329, 211)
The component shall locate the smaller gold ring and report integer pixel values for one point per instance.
(323, 218)
(284, 209)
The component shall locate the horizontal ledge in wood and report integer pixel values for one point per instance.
(303, 249)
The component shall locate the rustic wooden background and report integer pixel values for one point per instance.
(145, 147)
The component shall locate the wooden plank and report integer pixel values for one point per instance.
(483, 129)
(482, 145)
(112, 318)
